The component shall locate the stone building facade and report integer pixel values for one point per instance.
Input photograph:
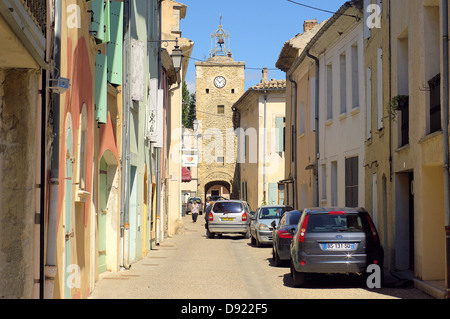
(219, 84)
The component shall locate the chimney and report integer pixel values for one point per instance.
(309, 24)
(264, 74)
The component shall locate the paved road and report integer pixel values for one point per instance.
(193, 266)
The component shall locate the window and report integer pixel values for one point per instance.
(82, 149)
(343, 82)
(355, 76)
(220, 160)
(279, 125)
(302, 118)
(232, 91)
(351, 182)
(403, 107)
(324, 181)
(435, 103)
(369, 104)
(329, 91)
(220, 109)
(380, 88)
(207, 91)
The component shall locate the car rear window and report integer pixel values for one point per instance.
(294, 218)
(228, 207)
(198, 200)
(272, 212)
(328, 223)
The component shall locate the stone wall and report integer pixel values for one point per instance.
(18, 98)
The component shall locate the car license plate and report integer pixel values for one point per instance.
(339, 246)
(227, 219)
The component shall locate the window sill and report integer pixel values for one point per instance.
(82, 195)
(354, 111)
(328, 122)
(343, 116)
(402, 148)
(430, 136)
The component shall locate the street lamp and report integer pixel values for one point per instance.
(177, 54)
(177, 58)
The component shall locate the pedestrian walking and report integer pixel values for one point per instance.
(194, 211)
(207, 209)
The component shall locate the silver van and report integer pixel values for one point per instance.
(229, 216)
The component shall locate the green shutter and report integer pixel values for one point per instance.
(101, 89)
(279, 124)
(100, 20)
(115, 46)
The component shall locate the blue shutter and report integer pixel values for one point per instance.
(100, 20)
(101, 89)
(115, 46)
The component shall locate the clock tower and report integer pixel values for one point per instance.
(219, 84)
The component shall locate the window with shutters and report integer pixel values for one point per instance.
(115, 45)
(101, 89)
(351, 182)
(100, 20)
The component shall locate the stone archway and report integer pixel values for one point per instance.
(221, 188)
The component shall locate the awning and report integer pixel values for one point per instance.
(185, 175)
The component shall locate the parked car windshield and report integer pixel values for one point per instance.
(326, 223)
(228, 207)
(272, 212)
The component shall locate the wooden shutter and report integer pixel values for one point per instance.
(100, 20)
(115, 46)
(101, 90)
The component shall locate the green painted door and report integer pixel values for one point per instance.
(102, 217)
(273, 194)
(68, 232)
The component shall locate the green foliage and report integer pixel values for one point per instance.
(188, 107)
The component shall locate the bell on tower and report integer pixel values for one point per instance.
(220, 42)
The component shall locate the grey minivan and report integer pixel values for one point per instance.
(334, 241)
(229, 216)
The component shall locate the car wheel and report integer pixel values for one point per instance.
(258, 243)
(297, 277)
(252, 240)
(276, 258)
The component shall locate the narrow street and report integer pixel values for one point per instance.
(191, 266)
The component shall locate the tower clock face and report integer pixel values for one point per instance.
(219, 81)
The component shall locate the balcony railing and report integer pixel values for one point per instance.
(38, 12)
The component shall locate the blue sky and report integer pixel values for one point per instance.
(258, 30)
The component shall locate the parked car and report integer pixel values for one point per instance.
(282, 236)
(229, 216)
(191, 201)
(334, 241)
(260, 226)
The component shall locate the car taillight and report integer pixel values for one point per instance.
(372, 229)
(284, 234)
(244, 217)
(337, 213)
(301, 236)
(211, 217)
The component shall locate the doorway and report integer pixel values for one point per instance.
(404, 221)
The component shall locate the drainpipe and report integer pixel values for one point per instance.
(265, 147)
(50, 265)
(124, 217)
(445, 113)
(316, 177)
(294, 184)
